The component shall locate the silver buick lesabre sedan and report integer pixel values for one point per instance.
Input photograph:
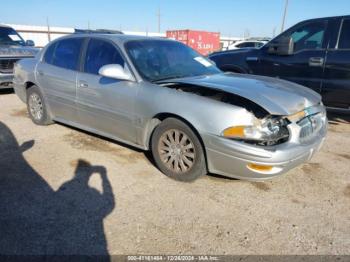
(161, 95)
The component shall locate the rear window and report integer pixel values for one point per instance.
(65, 53)
(344, 39)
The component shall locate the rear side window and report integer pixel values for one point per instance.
(344, 39)
(100, 53)
(246, 44)
(67, 53)
(49, 53)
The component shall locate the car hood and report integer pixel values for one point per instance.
(278, 97)
(17, 51)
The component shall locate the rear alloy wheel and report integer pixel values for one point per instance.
(177, 151)
(36, 107)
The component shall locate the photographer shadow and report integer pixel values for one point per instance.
(36, 220)
(79, 212)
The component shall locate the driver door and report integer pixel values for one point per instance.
(305, 66)
(105, 104)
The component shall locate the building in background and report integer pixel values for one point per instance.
(41, 35)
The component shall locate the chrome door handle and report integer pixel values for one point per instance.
(316, 61)
(83, 84)
(252, 58)
(41, 73)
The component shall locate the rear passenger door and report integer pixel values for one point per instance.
(336, 83)
(105, 104)
(57, 73)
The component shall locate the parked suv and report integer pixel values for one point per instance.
(12, 49)
(314, 53)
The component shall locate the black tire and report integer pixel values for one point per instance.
(184, 172)
(34, 93)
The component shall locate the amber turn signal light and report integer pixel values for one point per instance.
(259, 168)
(235, 131)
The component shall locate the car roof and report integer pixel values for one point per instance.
(6, 26)
(326, 17)
(118, 38)
(244, 41)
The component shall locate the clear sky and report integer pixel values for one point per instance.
(230, 17)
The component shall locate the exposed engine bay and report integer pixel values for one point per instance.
(221, 96)
(274, 126)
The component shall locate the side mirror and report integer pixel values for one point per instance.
(283, 46)
(115, 71)
(30, 43)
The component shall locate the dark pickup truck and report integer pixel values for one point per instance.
(314, 53)
(12, 49)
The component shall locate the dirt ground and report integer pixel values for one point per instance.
(64, 191)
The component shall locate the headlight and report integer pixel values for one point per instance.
(268, 131)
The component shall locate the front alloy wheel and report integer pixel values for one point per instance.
(177, 151)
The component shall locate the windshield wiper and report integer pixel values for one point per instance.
(167, 78)
(171, 77)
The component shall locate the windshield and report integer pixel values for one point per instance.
(159, 60)
(9, 36)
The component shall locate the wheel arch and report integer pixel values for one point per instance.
(21, 90)
(29, 84)
(24, 88)
(158, 118)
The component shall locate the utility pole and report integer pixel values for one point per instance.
(284, 15)
(48, 29)
(88, 25)
(246, 34)
(158, 15)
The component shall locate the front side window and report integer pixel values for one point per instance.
(308, 36)
(67, 53)
(9, 36)
(100, 53)
(344, 39)
(158, 60)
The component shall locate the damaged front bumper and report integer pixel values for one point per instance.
(235, 159)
